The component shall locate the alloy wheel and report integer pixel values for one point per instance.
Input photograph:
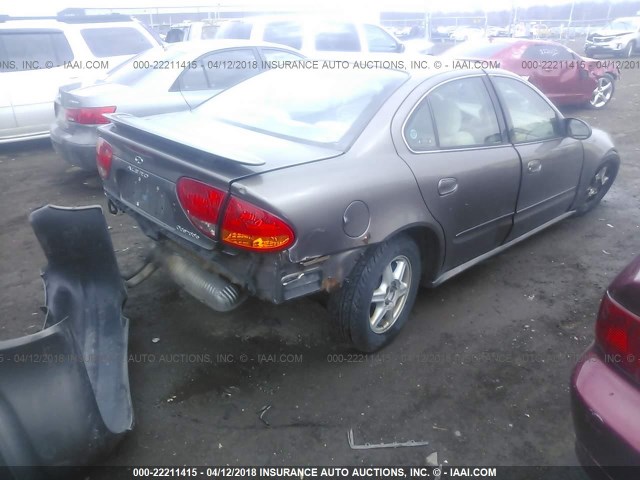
(390, 297)
(602, 93)
(599, 181)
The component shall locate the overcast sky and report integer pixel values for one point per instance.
(50, 7)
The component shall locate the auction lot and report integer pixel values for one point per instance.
(481, 371)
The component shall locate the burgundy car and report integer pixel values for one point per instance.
(560, 73)
(605, 386)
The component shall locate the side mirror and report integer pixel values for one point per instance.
(400, 48)
(576, 128)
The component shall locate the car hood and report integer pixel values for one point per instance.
(608, 32)
(238, 145)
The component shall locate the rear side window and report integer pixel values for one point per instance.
(235, 30)
(114, 41)
(547, 52)
(285, 33)
(337, 37)
(33, 50)
(379, 40)
(275, 55)
(175, 35)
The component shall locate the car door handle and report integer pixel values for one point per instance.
(534, 166)
(447, 185)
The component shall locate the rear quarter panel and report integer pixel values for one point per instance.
(313, 197)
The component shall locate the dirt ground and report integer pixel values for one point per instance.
(481, 371)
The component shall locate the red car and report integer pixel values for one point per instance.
(605, 385)
(560, 73)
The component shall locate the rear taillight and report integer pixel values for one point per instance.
(88, 116)
(618, 335)
(252, 228)
(202, 204)
(104, 156)
(243, 225)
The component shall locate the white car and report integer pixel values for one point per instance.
(39, 55)
(620, 37)
(313, 36)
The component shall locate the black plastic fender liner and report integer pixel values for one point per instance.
(64, 391)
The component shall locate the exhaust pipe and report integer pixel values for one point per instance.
(210, 288)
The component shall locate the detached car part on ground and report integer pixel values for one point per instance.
(64, 391)
(360, 183)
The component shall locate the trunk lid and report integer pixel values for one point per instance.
(151, 154)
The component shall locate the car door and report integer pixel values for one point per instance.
(216, 72)
(551, 161)
(466, 170)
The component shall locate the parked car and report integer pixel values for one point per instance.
(620, 37)
(362, 183)
(497, 32)
(192, 31)
(540, 30)
(179, 77)
(313, 36)
(462, 34)
(562, 75)
(605, 385)
(38, 55)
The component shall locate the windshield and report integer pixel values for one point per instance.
(317, 106)
(619, 25)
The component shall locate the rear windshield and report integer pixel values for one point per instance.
(322, 107)
(234, 30)
(114, 41)
(139, 68)
(483, 50)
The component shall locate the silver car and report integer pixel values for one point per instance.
(361, 183)
(179, 77)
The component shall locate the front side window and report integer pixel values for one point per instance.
(337, 37)
(379, 40)
(463, 116)
(33, 50)
(115, 41)
(531, 118)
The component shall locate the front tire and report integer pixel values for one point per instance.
(599, 186)
(374, 302)
(628, 51)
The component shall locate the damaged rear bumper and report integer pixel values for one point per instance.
(64, 391)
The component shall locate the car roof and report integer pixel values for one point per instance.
(204, 46)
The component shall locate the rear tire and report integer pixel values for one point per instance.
(603, 93)
(374, 302)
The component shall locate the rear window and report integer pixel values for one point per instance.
(235, 30)
(469, 50)
(322, 107)
(33, 50)
(115, 41)
(138, 68)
